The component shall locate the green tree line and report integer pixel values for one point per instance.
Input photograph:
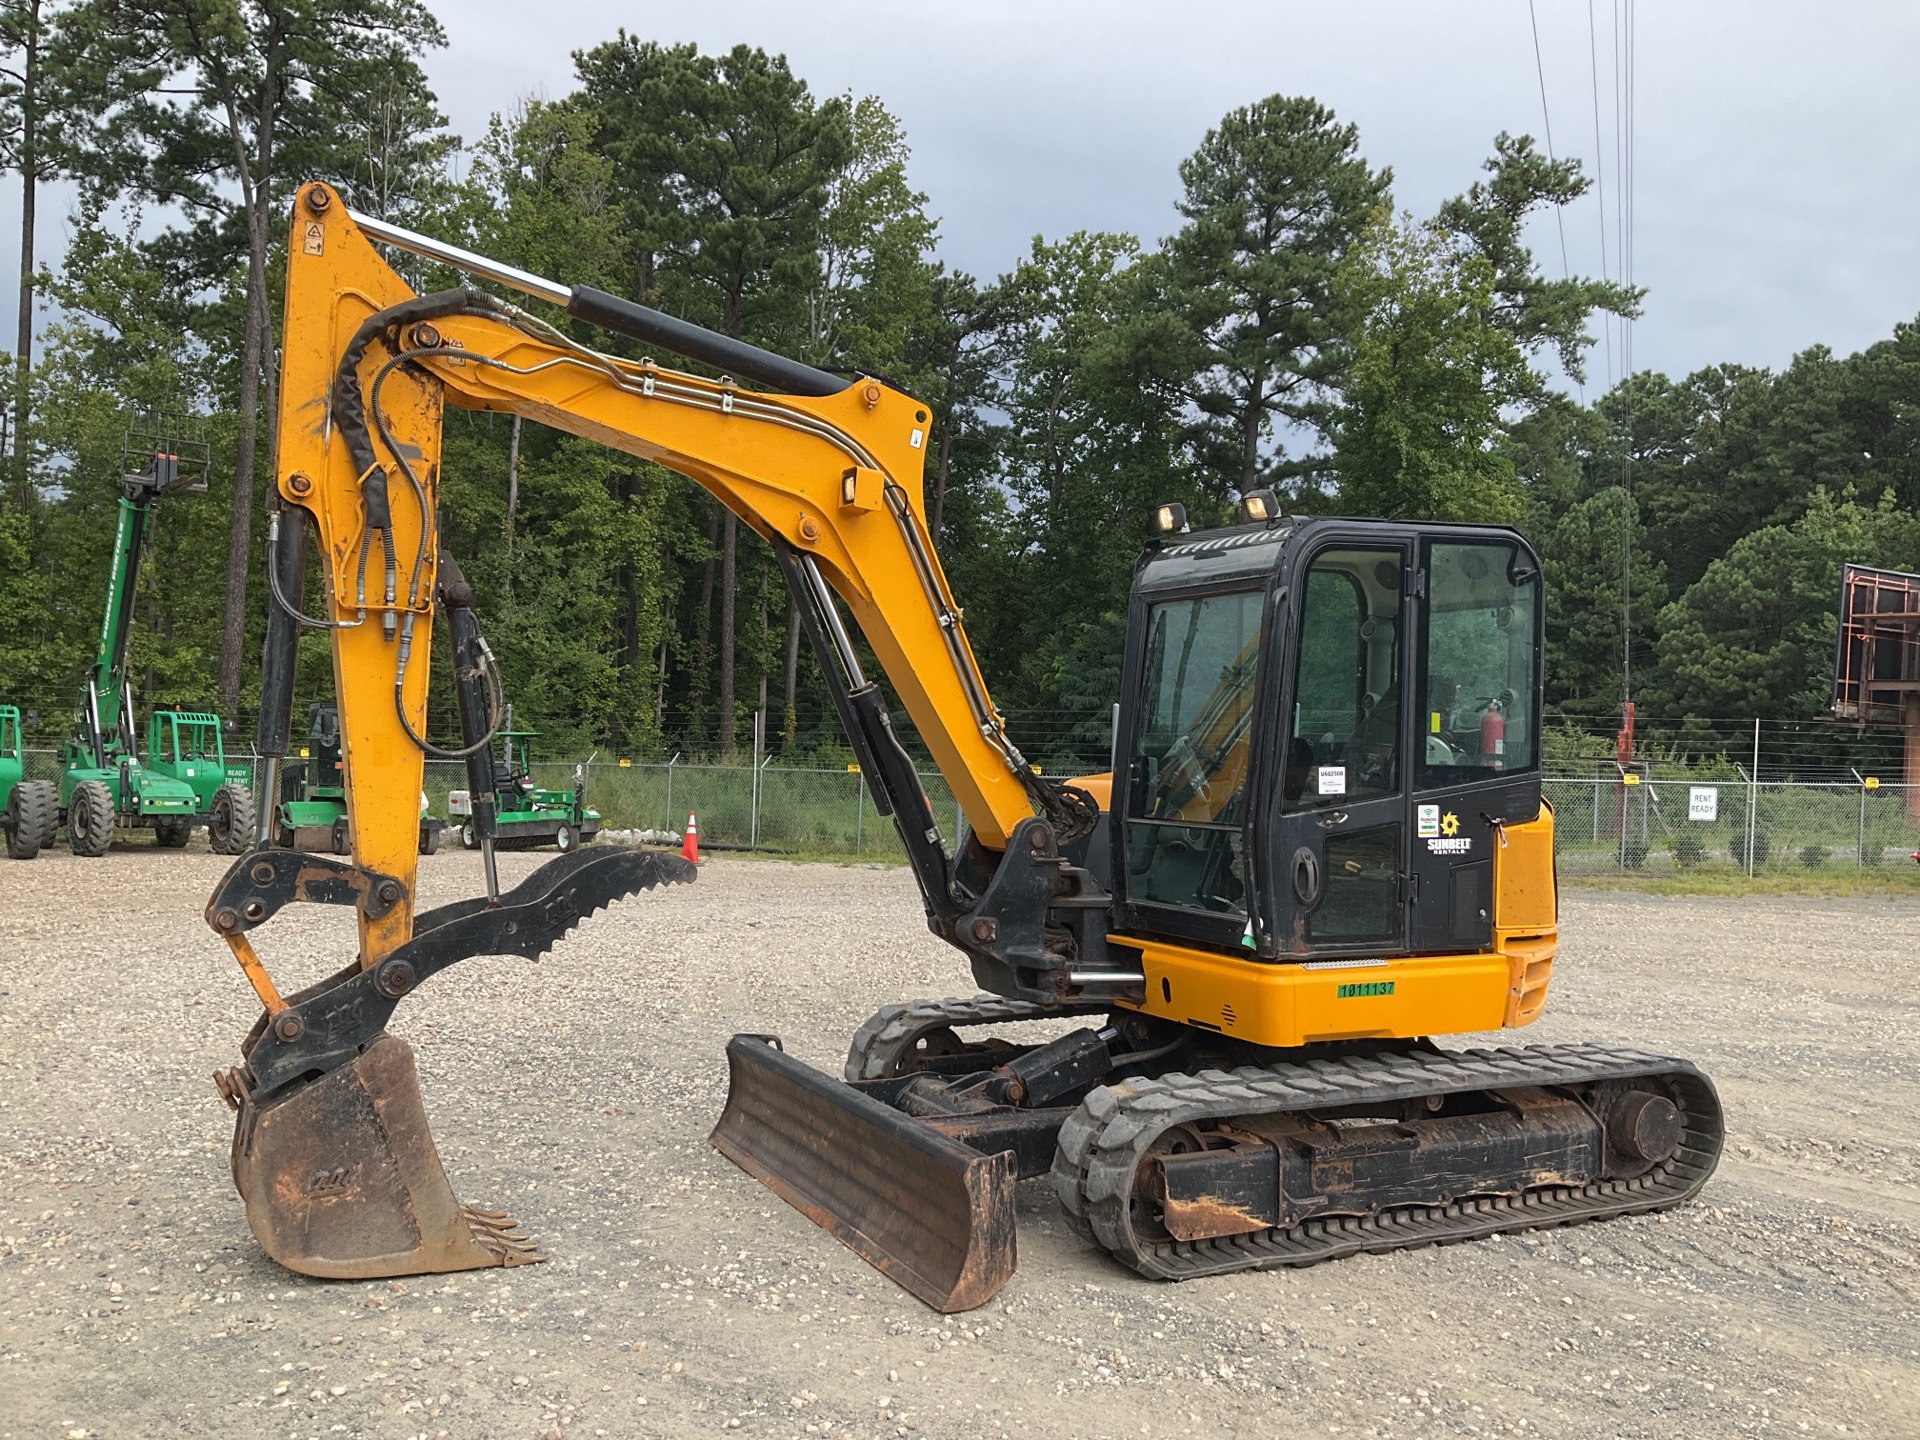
(1295, 330)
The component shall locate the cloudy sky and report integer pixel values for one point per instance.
(1776, 189)
(1776, 183)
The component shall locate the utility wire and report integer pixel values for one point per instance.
(1600, 180)
(1546, 124)
(1624, 28)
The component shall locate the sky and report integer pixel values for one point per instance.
(1776, 174)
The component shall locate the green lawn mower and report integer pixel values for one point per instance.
(312, 810)
(529, 817)
(29, 809)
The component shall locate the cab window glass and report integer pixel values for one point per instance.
(1481, 663)
(1187, 792)
(1344, 737)
(1192, 743)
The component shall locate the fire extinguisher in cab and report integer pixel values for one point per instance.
(1493, 736)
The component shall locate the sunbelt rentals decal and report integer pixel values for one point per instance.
(1442, 832)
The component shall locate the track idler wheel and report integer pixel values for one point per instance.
(341, 1178)
(1642, 1130)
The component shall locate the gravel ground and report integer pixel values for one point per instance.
(682, 1299)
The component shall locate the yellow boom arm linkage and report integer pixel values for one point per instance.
(837, 478)
(331, 1152)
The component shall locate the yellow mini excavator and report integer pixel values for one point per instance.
(1322, 843)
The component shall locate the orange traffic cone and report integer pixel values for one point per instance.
(690, 847)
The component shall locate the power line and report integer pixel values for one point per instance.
(1624, 24)
(1546, 124)
(1600, 180)
(1620, 207)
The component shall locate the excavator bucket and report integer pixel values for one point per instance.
(926, 1211)
(341, 1178)
(331, 1150)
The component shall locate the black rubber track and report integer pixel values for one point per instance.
(1103, 1144)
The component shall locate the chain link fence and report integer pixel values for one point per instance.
(1607, 826)
(776, 808)
(781, 808)
(1651, 823)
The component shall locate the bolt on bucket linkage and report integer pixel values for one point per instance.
(331, 1149)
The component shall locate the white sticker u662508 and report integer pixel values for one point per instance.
(1333, 780)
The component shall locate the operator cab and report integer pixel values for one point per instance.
(185, 737)
(1332, 722)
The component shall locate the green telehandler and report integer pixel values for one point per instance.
(182, 777)
(29, 809)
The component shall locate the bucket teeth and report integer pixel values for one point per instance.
(501, 1233)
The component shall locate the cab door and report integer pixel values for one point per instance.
(1340, 828)
(1183, 809)
(1477, 766)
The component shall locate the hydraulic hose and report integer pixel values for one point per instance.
(485, 665)
(472, 660)
(278, 581)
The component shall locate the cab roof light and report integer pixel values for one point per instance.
(1170, 519)
(1257, 507)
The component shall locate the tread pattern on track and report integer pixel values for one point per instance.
(1103, 1144)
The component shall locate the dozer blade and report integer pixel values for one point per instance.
(341, 1179)
(929, 1213)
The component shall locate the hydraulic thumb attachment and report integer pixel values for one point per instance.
(331, 1150)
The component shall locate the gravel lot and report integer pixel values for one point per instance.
(682, 1299)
